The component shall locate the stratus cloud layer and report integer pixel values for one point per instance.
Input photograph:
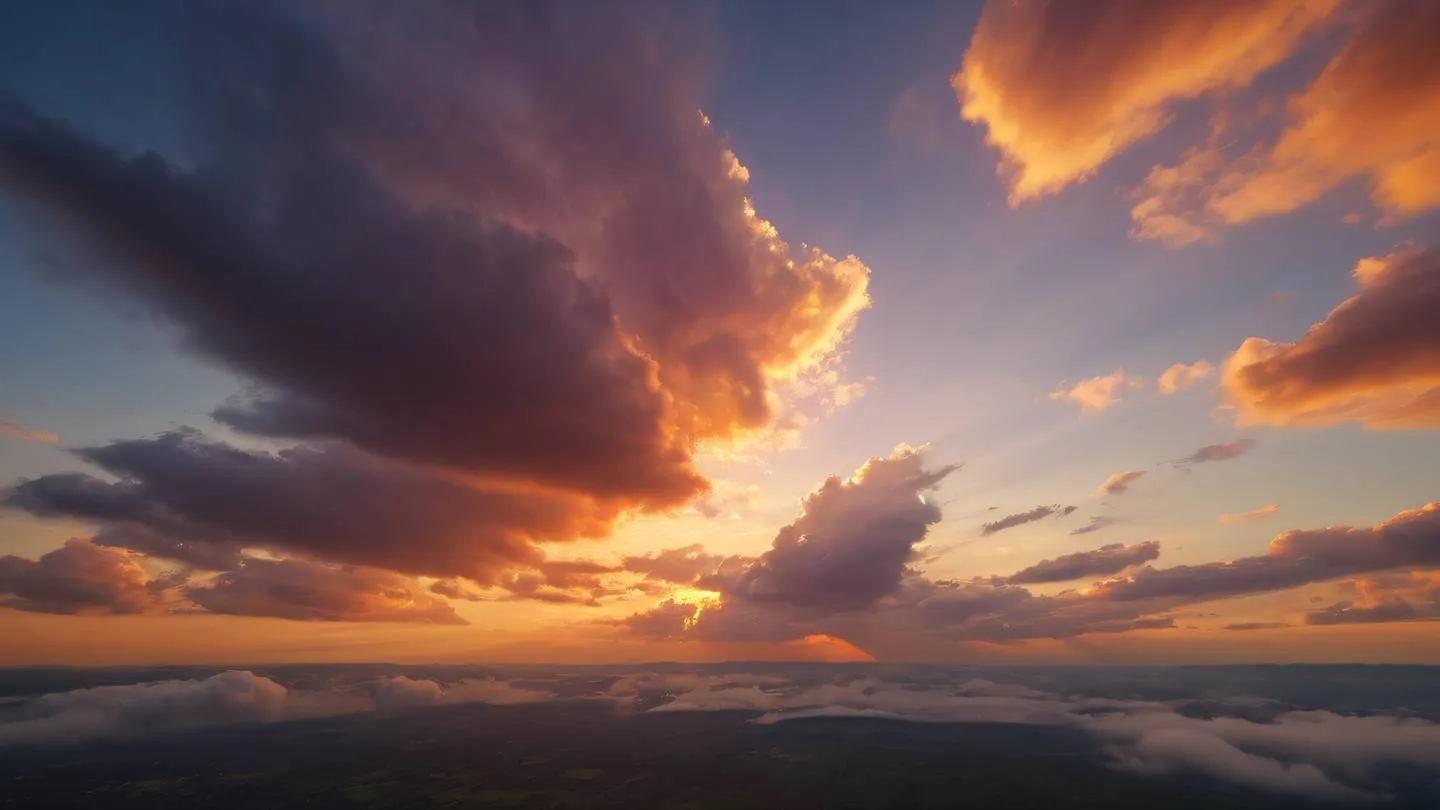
(510, 319)
(1372, 113)
(1063, 87)
(231, 698)
(1375, 359)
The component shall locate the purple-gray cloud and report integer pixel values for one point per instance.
(1106, 560)
(1021, 518)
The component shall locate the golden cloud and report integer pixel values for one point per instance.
(1375, 359)
(1064, 87)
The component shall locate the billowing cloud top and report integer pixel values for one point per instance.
(489, 262)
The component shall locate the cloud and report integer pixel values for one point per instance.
(1021, 518)
(230, 698)
(1250, 516)
(14, 431)
(1217, 452)
(1375, 359)
(1179, 376)
(1385, 598)
(1108, 559)
(77, 578)
(1316, 754)
(1062, 88)
(1371, 114)
(853, 539)
(681, 565)
(1097, 393)
(306, 591)
(1118, 483)
(1096, 523)
(1297, 557)
(1246, 627)
(546, 277)
(333, 502)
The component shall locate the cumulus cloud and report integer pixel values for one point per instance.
(1021, 518)
(1095, 524)
(682, 565)
(1108, 559)
(1064, 87)
(533, 294)
(1118, 483)
(1371, 114)
(1097, 393)
(853, 540)
(14, 431)
(1374, 360)
(1251, 516)
(227, 699)
(307, 591)
(1179, 376)
(1217, 452)
(77, 578)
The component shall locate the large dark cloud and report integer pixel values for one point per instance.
(79, 578)
(1109, 559)
(495, 247)
(853, 540)
(342, 504)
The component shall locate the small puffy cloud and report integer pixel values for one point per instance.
(853, 540)
(79, 578)
(1180, 376)
(308, 591)
(1251, 516)
(14, 431)
(1095, 524)
(1118, 483)
(1061, 88)
(1097, 393)
(1374, 360)
(1104, 561)
(403, 692)
(1224, 451)
(1022, 518)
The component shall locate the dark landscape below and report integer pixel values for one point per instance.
(603, 737)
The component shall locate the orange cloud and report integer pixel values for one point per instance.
(1372, 113)
(1375, 359)
(1118, 483)
(1096, 393)
(822, 647)
(1250, 516)
(1063, 87)
(14, 431)
(1180, 376)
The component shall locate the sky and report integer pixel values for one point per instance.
(1023, 332)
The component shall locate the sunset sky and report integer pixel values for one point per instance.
(1023, 331)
